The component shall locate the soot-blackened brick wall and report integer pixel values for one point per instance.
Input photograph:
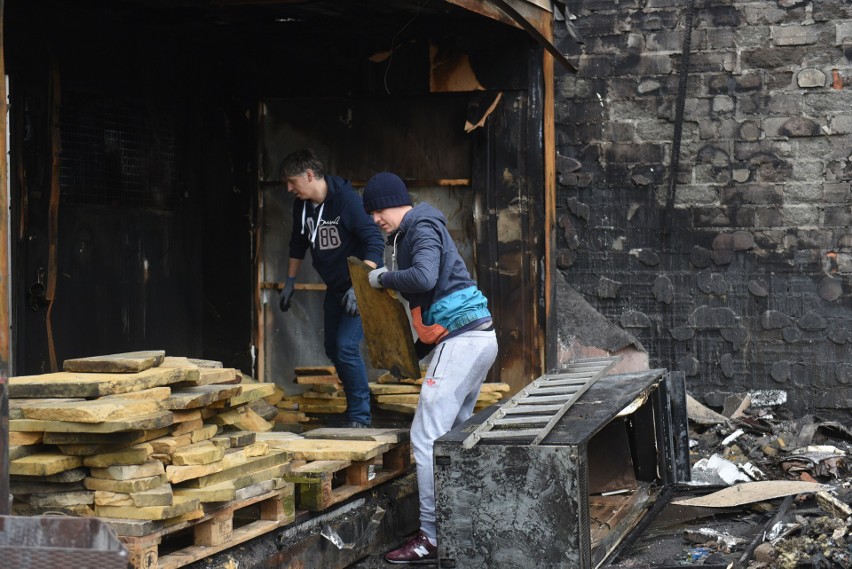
(740, 273)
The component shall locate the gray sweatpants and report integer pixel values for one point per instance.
(447, 397)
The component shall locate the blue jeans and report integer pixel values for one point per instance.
(343, 335)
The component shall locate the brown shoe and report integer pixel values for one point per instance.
(415, 550)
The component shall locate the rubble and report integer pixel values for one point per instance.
(754, 438)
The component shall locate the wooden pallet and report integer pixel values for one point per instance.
(212, 533)
(323, 483)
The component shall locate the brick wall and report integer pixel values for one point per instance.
(740, 274)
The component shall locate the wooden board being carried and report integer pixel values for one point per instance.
(386, 327)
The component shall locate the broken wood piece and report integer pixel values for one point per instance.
(832, 506)
(701, 414)
(751, 492)
(736, 405)
(129, 362)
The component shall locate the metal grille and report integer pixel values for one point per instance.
(51, 558)
(535, 410)
(114, 153)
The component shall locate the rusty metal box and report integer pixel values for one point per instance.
(568, 500)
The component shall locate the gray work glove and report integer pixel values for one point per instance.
(287, 294)
(375, 277)
(349, 303)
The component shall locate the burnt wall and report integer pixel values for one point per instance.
(735, 264)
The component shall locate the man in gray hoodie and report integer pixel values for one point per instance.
(450, 315)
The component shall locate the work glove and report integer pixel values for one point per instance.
(349, 303)
(287, 294)
(375, 277)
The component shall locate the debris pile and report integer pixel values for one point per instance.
(755, 441)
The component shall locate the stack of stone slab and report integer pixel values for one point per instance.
(402, 395)
(171, 451)
(324, 396)
(134, 436)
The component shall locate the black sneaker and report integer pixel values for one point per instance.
(417, 550)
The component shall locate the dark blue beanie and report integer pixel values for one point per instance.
(385, 190)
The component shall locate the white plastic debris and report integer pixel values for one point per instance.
(332, 536)
(717, 471)
(780, 530)
(752, 471)
(732, 437)
(768, 397)
(724, 538)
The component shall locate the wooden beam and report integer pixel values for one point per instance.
(548, 341)
(5, 352)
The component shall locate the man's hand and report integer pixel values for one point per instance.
(375, 277)
(287, 294)
(349, 303)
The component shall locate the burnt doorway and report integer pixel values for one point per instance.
(130, 220)
(107, 251)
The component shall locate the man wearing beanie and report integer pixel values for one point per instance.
(328, 219)
(451, 318)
